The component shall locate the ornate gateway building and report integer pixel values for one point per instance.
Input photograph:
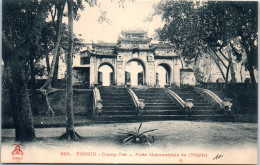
(137, 63)
(132, 61)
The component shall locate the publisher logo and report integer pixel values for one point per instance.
(17, 153)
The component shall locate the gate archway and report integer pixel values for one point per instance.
(106, 75)
(163, 75)
(135, 73)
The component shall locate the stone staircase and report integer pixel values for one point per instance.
(201, 109)
(158, 105)
(117, 104)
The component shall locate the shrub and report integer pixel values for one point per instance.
(137, 137)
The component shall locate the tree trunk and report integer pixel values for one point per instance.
(251, 73)
(249, 60)
(14, 60)
(227, 73)
(241, 75)
(47, 84)
(56, 69)
(182, 66)
(220, 69)
(19, 101)
(233, 74)
(46, 88)
(8, 80)
(47, 58)
(70, 133)
(33, 87)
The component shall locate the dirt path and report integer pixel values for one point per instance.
(182, 141)
(174, 133)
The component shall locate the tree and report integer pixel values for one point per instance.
(47, 43)
(246, 29)
(46, 88)
(203, 69)
(234, 24)
(59, 7)
(208, 27)
(60, 31)
(20, 39)
(23, 22)
(70, 133)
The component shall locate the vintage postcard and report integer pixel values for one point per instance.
(129, 81)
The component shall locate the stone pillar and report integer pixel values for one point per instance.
(120, 71)
(96, 70)
(115, 71)
(92, 71)
(150, 71)
(176, 72)
(151, 74)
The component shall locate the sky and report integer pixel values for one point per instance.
(130, 17)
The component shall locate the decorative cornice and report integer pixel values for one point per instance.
(165, 57)
(106, 45)
(133, 32)
(134, 48)
(163, 46)
(120, 49)
(101, 54)
(146, 40)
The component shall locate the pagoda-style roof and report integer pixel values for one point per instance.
(139, 49)
(164, 46)
(104, 44)
(146, 40)
(103, 54)
(133, 32)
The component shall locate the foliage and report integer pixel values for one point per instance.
(181, 22)
(137, 137)
(22, 25)
(207, 27)
(77, 41)
(203, 69)
(18, 22)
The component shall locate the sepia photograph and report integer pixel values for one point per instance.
(129, 81)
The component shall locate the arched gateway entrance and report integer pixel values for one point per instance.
(106, 75)
(163, 72)
(133, 60)
(134, 73)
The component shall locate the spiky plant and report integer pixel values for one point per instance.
(137, 137)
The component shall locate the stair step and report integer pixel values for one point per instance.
(151, 96)
(114, 93)
(149, 93)
(203, 113)
(159, 104)
(116, 101)
(201, 107)
(127, 118)
(117, 108)
(127, 100)
(161, 107)
(156, 100)
(164, 113)
(115, 96)
(118, 113)
(201, 104)
(119, 104)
